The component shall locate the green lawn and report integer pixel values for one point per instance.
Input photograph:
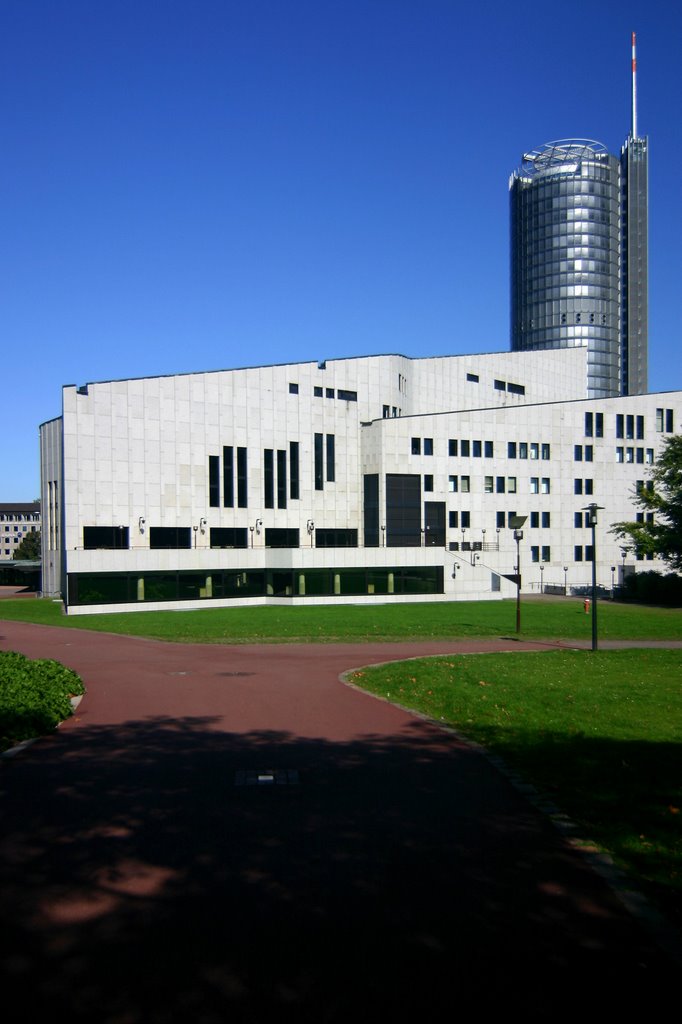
(325, 623)
(600, 733)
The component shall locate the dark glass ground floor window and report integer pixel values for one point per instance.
(110, 537)
(170, 537)
(143, 588)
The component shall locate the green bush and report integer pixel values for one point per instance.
(654, 588)
(34, 696)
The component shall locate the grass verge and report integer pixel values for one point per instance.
(541, 619)
(599, 733)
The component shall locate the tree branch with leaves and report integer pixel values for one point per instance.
(661, 498)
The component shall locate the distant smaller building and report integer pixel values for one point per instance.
(17, 518)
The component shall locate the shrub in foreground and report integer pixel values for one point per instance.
(34, 696)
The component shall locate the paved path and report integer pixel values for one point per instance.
(389, 871)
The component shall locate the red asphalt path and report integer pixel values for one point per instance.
(395, 873)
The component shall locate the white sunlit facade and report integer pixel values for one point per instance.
(370, 479)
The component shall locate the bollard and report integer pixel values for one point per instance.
(587, 606)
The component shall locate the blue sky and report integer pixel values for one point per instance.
(201, 185)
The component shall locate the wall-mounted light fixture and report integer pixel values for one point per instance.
(202, 524)
(140, 524)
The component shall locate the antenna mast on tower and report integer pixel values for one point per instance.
(634, 86)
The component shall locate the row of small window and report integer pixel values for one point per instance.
(492, 484)
(389, 411)
(18, 529)
(664, 421)
(117, 538)
(528, 450)
(638, 455)
(19, 517)
(341, 393)
(513, 389)
(459, 520)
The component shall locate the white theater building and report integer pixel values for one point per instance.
(371, 479)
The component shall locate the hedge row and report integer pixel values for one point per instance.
(34, 696)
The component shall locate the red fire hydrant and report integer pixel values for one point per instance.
(586, 606)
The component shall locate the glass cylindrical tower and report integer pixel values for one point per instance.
(565, 256)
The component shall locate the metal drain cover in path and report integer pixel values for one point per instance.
(267, 777)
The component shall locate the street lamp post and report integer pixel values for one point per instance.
(613, 583)
(592, 510)
(565, 580)
(516, 523)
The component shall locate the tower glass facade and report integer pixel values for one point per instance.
(634, 254)
(565, 256)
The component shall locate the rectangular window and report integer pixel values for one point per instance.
(464, 484)
(650, 456)
(589, 424)
(545, 451)
(214, 481)
(535, 485)
(511, 484)
(630, 427)
(620, 454)
(242, 479)
(331, 457)
(386, 412)
(516, 389)
(599, 424)
(511, 449)
(465, 449)
(546, 520)
(668, 421)
(170, 537)
(317, 391)
(488, 449)
(228, 537)
(588, 487)
(639, 454)
(294, 481)
(344, 396)
(588, 552)
(269, 478)
(228, 476)
(473, 377)
(499, 521)
(523, 450)
(578, 520)
(629, 454)
(589, 453)
(428, 482)
(577, 453)
(659, 420)
(534, 450)
(453, 520)
(546, 553)
(416, 445)
(428, 446)
(293, 389)
(620, 426)
(329, 392)
(545, 485)
(111, 538)
(534, 553)
(488, 484)
(477, 449)
(319, 459)
(534, 520)
(500, 485)
(452, 484)
(466, 520)
(640, 428)
(281, 478)
(500, 385)
(452, 447)
(577, 487)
